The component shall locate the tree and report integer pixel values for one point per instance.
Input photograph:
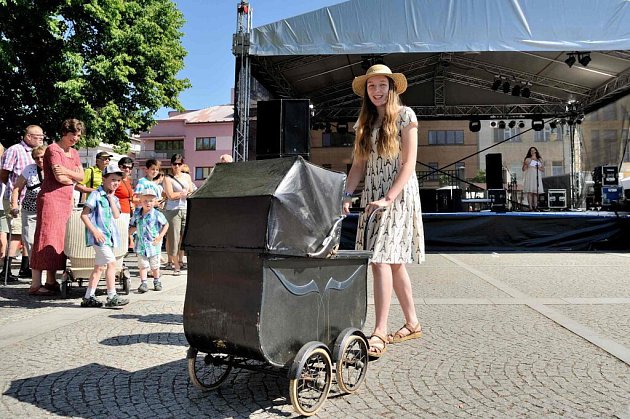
(110, 63)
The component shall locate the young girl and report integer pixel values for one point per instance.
(385, 152)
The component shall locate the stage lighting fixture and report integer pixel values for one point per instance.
(584, 58)
(521, 124)
(327, 129)
(474, 125)
(496, 84)
(493, 124)
(501, 124)
(511, 124)
(525, 92)
(570, 60)
(516, 90)
(553, 124)
(506, 87)
(538, 124)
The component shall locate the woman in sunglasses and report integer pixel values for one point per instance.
(177, 187)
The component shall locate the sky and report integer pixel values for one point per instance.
(208, 32)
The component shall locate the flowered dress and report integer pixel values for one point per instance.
(397, 235)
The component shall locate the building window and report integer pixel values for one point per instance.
(434, 174)
(446, 137)
(169, 145)
(205, 143)
(336, 139)
(512, 134)
(201, 173)
(556, 168)
(542, 136)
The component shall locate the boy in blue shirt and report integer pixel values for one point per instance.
(99, 212)
(150, 227)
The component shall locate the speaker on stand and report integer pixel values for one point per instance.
(283, 128)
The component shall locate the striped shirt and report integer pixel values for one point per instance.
(14, 160)
(148, 227)
(102, 218)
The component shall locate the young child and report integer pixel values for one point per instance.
(150, 227)
(99, 212)
(151, 170)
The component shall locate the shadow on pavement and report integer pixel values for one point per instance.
(96, 390)
(166, 318)
(161, 338)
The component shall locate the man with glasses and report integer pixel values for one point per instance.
(93, 177)
(14, 160)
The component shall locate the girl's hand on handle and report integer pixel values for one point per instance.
(346, 207)
(374, 205)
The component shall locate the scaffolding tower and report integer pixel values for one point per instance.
(242, 80)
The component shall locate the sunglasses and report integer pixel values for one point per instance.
(177, 164)
(126, 166)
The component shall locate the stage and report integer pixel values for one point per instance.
(517, 231)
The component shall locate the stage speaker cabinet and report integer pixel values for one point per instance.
(498, 199)
(494, 171)
(428, 200)
(557, 198)
(611, 194)
(606, 176)
(283, 128)
(542, 201)
(448, 200)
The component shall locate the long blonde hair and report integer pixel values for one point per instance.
(387, 142)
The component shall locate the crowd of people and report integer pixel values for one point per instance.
(38, 182)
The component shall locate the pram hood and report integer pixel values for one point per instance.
(284, 206)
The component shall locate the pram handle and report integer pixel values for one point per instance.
(327, 240)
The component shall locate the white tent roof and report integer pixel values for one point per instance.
(403, 26)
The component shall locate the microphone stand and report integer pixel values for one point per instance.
(537, 191)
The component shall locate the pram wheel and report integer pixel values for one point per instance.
(125, 279)
(208, 371)
(66, 283)
(352, 363)
(311, 378)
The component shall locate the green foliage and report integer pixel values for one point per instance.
(110, 63)
(480, 177)
(122, 148)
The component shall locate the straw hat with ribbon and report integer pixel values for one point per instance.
(400, 81)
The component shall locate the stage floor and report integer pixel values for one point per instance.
(518, 231)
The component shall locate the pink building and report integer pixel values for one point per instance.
(201, 136)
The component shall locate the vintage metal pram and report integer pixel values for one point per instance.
(266, 289)
(81, 257)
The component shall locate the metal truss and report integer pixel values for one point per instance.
(543, 110)
(243, 75)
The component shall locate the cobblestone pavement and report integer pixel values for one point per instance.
(505, 335)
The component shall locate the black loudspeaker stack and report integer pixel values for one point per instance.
(283, 128)
(494, 171)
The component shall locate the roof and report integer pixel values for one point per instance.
(451, 52)
(220, 113)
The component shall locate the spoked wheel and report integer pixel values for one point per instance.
(208, 371)
(352, 364)
(310, 389)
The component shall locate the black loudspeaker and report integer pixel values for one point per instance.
(283, 128)
(428, 200)
(494, 172)
(448, 200)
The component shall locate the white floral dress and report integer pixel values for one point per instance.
(397, 234)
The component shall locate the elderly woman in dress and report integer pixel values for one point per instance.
(62, 168)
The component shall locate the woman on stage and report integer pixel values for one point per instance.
(533, 171)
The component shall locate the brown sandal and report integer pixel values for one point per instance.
(414, 333)
(377, 350)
